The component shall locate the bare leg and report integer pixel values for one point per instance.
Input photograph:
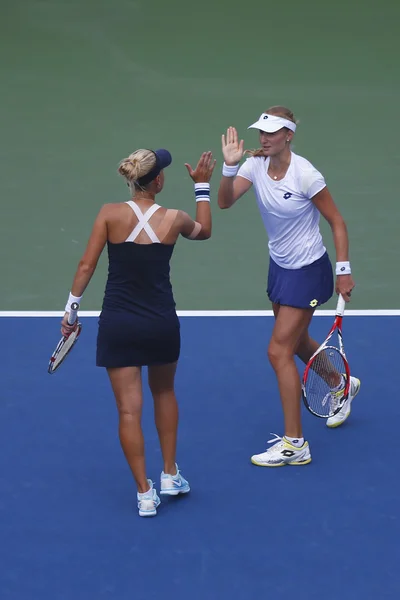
(290, 325)
(161, 382)
(323, 366)
(306, 348)
(127, 386)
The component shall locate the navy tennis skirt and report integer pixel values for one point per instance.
(307, 287)
(129, 340)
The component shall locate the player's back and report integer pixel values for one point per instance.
(139, 278)
(138, 323)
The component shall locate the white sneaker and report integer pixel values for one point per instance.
(282, 453)
(172, 485)
(345, 411)
(148, 502)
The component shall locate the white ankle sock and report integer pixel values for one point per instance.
(148, 493)
(341, 384)
(298, 442)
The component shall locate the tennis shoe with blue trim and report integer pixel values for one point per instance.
(148, 502)
(344, 412)
(172, 485)
(282, 453)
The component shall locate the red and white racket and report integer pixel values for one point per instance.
(326, 378)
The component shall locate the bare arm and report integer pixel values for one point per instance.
(328, 209)
(88, 262)
(200, 229)
(195, 230)
(231, 189)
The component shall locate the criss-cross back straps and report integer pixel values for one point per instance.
(143, 222)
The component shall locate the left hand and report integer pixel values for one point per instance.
(204, 169)
(344, 286)
(66, 328)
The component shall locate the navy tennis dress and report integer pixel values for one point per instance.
(138, 324)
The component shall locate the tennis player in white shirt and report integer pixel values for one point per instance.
(291, 194)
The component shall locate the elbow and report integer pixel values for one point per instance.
(86, 267)
(206, 233)
(338, 225)
(222, 205)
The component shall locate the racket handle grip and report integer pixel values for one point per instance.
(73, 313)
(340, 306)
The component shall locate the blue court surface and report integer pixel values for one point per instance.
(69, 523)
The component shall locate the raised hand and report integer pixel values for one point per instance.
(204, 169)
(232, 149)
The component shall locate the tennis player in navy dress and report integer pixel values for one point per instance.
(291, 194)
(138, 324)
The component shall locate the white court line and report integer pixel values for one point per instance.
(210, 313)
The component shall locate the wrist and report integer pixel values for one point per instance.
(343, 267)
(71, 300)
(202, 191)
(230, 170)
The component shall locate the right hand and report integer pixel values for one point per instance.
(232, 149)
(205, 167)
(66, 328)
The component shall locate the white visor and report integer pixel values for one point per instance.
(272, 123)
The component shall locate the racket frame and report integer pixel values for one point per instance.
(72, 317)
(337, 326)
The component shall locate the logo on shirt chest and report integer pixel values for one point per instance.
(287, 195)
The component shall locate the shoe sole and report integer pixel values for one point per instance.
(151, 513)
(339, 423)
(173, 492)
(283, 464)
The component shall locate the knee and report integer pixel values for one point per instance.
(278, 354)
(161, 386)
(160, 392)
(128, 414)
(273, 353)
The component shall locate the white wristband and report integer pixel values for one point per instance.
(71, 300)
(202, 192)
(343, 268)
(230, 170)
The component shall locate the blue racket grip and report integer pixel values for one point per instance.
(73, 313)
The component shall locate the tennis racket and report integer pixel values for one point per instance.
(326, 378)
(66, 343)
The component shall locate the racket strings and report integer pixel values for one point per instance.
(63, 348)
(326, 381)
(327, 366)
